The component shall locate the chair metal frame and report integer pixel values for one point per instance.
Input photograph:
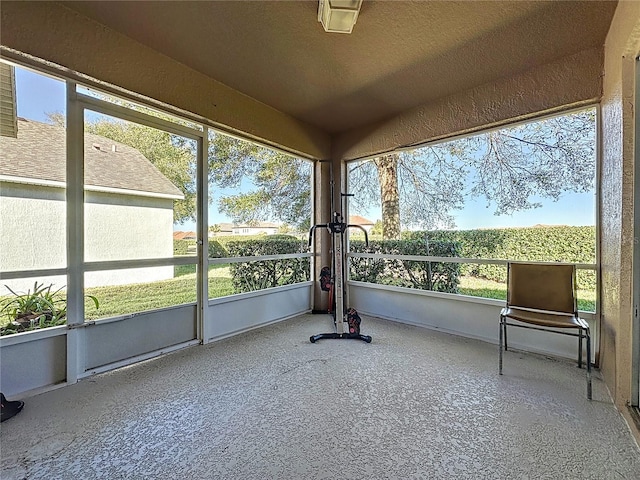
(527, 306)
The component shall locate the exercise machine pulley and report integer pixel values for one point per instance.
(337, 228)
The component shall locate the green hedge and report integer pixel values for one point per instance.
(436, 276)
(216, 250)
(257, 275)
(181, 247)
(545, 244)
(224, 240)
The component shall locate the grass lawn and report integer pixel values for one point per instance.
(478, 287)
(120, 300)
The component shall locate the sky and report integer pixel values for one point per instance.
(570, 209)
(39, 95)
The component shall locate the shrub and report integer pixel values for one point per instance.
(216, 250)
(257, 275)
(436, 276)
(542, 244)
(181, 247)
(226, 239)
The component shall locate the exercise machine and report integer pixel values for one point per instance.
(337, 291)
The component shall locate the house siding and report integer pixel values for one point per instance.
(32, 227)
(120, 227)
(117, 227)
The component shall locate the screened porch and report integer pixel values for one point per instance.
(222, 381)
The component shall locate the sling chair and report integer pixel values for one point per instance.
(542, 296)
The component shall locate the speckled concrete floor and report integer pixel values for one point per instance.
(270, 405)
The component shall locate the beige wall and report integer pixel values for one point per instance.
(622, 46)
(51, 31)
(571, 81)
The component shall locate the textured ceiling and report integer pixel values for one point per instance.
(400, 54)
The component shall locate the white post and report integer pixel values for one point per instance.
(204, 323)
(75, 233)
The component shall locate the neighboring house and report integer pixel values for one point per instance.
(269, 228)
(221, 230)
(363, 222)
(224, 229)
(128, 207)
(179, 235)
(259, 228)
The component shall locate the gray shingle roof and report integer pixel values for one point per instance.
(39, 154)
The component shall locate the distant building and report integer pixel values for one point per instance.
(363, 222)
(222, 229)
(259, 228)
(184, 235)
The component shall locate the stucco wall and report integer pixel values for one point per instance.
(117, 227)
(125, 227)
(622, 45)
(32, 227)
(52, 32)
(571, 81)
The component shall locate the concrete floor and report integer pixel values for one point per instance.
(270, 405)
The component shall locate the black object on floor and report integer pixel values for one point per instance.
(335, 336)
(9, 408)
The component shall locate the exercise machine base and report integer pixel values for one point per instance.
(334, 336)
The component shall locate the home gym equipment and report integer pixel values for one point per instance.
(336, 288)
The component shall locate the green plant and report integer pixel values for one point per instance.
(256, 275)
(216, 250)
(41, 308)
(539, 244)
(436, 276)
(181, 247)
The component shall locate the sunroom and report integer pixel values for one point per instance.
(412, 79)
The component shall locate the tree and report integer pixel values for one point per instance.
(377, 228)
(423, 186)
(285, 229)
(282, 182)
(508, 167)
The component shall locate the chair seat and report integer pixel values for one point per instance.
(544, 294)
(559, 320)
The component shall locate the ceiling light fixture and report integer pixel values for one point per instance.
(338, 16)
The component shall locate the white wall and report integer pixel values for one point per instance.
(32, 227)
(235, 314)
(125, 227)
(117, 227)
(254, 231)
